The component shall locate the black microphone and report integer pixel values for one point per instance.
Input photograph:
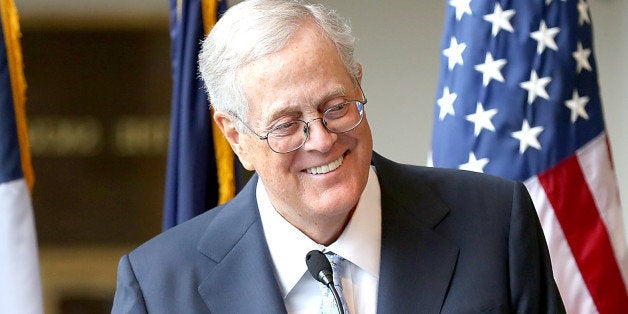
(320, 269)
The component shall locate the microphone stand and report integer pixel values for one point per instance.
(331, 286)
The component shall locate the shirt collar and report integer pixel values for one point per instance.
(359, 243)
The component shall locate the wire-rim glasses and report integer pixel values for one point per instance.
(290, 136)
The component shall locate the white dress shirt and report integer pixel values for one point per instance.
(359, 244)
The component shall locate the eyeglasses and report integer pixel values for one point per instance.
(290, 136)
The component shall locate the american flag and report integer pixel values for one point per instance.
(20, 283)
(518, 97)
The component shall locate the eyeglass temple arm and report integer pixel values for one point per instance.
(248, 127)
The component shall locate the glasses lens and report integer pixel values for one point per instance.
(287, 137)
(344, 117)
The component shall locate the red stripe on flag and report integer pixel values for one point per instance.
(586, 234)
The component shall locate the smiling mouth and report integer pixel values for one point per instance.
(326, 168)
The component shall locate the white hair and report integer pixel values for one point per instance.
(253, 29)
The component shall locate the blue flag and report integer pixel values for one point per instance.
(518, 97)
(192, 185)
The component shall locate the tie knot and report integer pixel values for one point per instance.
(334, 258)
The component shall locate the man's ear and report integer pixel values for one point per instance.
(228, 126)
(358, 65)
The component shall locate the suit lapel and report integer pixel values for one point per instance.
(242, 280)
(417, 263)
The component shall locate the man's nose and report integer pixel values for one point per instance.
(318, 137)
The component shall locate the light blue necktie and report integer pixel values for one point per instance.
(328, 305)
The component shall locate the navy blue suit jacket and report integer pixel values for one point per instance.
(452, 242)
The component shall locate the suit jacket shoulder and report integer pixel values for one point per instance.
(207, 264)
(455, 242)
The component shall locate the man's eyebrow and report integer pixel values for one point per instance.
(291, 109)
(338, 91)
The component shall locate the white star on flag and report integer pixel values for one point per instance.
(577, 104)
(491, 69)
(500, 19)
(474, 164)
(462, 7)
(482, 119)
(446, 104)
(536, 87)
(582, 58)
(454, 53)
(545, 37)
(583, 13)
(528, 136)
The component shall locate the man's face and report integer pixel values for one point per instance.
(298, 82)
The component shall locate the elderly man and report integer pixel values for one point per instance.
(285, 87)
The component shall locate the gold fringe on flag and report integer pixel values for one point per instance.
(210, 14)
(224, 154)
(11, 31)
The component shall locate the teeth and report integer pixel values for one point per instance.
(326, 168)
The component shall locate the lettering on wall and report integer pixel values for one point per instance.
(85, 136)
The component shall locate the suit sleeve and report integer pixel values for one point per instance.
(128, 297)
(532, 285)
